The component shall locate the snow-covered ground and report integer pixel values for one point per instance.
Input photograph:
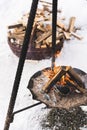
(74, 53)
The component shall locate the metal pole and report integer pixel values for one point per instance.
(54, 20)
(21, 63)
(23, 109)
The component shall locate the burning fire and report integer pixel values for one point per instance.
(63, 76)
(51, 73)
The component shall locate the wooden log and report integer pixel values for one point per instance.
(19, 30)
(75, 86)
(43, 46)
(76, 78)
(53, 81)
(43, 37)
(37, 45)
(57, 42)
(39, 19)
(38, 34)
(77, 36)
(60, 30)
(41, 28)
(20, 37)
(15, 26)
(48, 27)
(33, 35)
(49, 40)
(60, 36)
(19, 33)
(67, 35)
(71, 24)
(61, 25)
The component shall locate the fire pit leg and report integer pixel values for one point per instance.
(21, 64)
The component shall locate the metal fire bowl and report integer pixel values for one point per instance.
(54, 99)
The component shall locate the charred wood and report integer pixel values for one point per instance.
(53, 81)
(76, 78)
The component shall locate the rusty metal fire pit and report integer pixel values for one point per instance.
(53, 98)
(34, 53)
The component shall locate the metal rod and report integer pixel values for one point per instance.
(21, 63)
(54, 21)
(23, 109)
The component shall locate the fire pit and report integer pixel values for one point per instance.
(61, 88)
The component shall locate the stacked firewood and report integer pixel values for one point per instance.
(42, 29)
(64, 76)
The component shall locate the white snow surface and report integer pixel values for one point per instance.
(74, 53)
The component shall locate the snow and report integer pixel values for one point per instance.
(74, 53)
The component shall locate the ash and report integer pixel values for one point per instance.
(58, 119)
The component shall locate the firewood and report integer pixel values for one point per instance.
(15, 26)
(57, 42)
(40, 12)
(33, 34)
(43, 37)
(38, 33)
(48, 27)
(53, 81)
(43, 46)
(49, 40)
(41, 28)
(37, 45)
(59, 36)
(71, 24)
(61, 25)
(76, 86)
(39, 19)
(43, 19)
(77, 36)
(14, 36)
(19, 31)
(67, 35)
(76, 78)
(60, 30)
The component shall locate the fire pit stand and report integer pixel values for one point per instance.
(51, 98)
